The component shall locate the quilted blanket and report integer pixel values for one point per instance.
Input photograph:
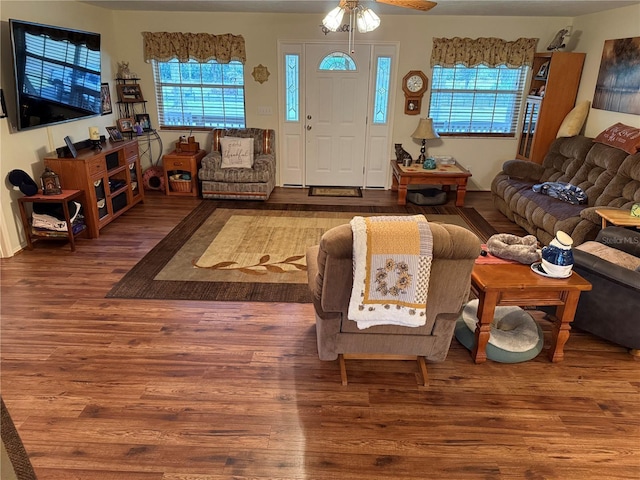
(392, 265)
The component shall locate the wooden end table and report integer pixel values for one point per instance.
(517, 285)
(183, 162)
(62, 198)
(618, 217)
(445, 175)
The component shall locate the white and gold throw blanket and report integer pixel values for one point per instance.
(392, 264)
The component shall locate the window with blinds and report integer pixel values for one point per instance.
(194, 95)
(480, 100)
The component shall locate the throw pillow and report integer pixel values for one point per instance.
(621, 136)
(237, 152)
(573, 122)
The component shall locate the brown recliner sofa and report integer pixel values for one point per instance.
(330, 273)
(609, 176)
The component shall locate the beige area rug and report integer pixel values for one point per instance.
(247, 251)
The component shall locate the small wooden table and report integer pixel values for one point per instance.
(517, 285)
(63, 198)
(445, 175)
(618, 217)
(183, 162)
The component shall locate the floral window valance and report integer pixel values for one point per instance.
(202, 47)
(492, 52)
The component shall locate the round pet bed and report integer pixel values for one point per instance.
(515, 335)
(428, 196)
(153, 178)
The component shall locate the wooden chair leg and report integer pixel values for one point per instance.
(423, 370)
(421, 365)
(343, 369)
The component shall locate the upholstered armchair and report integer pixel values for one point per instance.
(330, 275)
(253, 181)
(612, 264)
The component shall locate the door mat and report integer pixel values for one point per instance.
(335, 192)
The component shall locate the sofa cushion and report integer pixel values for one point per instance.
(621, 136)
(572, 123)
(612, 255)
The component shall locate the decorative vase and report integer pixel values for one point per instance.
(557, 257)
(429, 163)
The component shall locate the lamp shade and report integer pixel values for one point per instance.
(425, 130)
(367, 20)
(333, 20)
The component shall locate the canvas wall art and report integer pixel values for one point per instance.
(618, 85)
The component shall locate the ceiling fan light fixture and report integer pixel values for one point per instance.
(367, 20)
(333, 20)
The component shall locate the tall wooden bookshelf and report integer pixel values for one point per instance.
(554, 86)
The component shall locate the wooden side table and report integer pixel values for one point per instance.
(517, 285)
(181, 163)
(618, 217)
(63, 198)
(445, 175)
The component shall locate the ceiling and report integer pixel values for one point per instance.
(526, 8)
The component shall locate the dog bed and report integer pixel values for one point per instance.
(515, 335)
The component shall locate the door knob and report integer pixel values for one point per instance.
(308, 117)
(308, 127)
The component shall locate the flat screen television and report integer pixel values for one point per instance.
(57, 74)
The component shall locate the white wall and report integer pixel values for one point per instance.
(592, 31)
(122, 41)
(25, 150)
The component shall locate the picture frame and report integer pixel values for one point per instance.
(71, 147)
(125, 124)
(544, 71)
(129, 93)
(144, 120)
(114, 134)
(105, 99)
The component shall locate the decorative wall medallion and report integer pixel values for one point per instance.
(260, 73)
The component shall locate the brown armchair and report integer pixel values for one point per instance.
(330, 274)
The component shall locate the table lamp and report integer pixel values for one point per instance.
(425, 132)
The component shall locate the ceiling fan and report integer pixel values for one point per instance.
(364, 18)
(423, 5)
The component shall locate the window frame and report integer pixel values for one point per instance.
(515, 107)
(159, 85)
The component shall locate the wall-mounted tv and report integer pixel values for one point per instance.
(57, 74)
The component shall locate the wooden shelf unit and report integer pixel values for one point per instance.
(543, 114)
(111, 180)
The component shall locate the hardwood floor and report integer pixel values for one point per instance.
(103, 389)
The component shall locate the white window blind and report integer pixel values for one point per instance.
(478, 100)
(194, 95)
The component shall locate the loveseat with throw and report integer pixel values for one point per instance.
(239, 170)
(612, 264)
(609, 176)
(330, 273)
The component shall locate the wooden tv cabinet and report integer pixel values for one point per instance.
(111, 180)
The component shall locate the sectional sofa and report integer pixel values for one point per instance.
(609, 176)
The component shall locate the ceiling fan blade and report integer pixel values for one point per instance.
(423, 5)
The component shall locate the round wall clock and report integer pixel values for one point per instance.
(414, 84)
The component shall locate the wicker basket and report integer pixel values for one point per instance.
(180, 185)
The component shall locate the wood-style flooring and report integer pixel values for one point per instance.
(112, 389)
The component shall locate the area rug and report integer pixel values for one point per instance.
(14, 450)
(335, 192)
(243, 251)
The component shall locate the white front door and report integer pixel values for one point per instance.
(336, 116)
